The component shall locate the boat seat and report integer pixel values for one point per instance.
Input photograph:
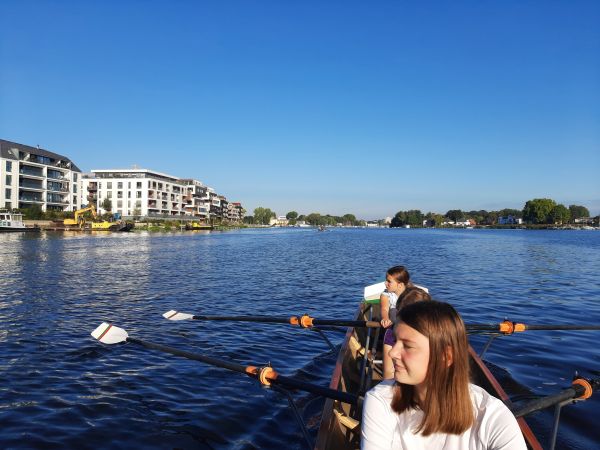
(347, 421)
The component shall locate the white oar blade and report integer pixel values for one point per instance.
(175, 315)
(373, 292)
(109, 334)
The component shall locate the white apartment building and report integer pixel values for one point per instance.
(33, 176)
(197, 199)
(136, 192)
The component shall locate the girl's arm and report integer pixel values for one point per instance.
(384, 302)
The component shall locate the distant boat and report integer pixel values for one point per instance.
(13, 222)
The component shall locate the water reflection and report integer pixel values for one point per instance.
(55, 288)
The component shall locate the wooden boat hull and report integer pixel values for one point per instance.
(340, 423)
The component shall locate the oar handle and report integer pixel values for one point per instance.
(265, 375)
(304, 321)
(508, 327)
(348, 323)
(581, 389)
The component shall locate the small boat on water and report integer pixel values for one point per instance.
(10, 221)
(358, 369)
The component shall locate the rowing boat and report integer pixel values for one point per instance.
(358, 369)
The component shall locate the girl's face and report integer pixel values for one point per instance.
(410, 355)
(392, 285)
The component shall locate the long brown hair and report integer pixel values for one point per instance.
(400, 274)
(447, 406)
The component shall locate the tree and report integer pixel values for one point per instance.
(348, 219)
(538, 210)
(106, 204)
(248, 220)
(263, 215)
(560, 214)
(292, 217)
(577, 212)
(33, 212)
(455, 215)
(313, 219)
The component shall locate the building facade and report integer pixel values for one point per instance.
(31, 176)
(146, 193)
(135, 192)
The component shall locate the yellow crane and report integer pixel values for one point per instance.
(79, 219)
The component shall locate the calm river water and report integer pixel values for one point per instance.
(60, 388)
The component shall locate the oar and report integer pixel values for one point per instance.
(508, 327)
(304, 321)
(581, 389)
(109, 334)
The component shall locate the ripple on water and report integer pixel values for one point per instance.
(62, 389)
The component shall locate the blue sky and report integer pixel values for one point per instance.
(317, 106)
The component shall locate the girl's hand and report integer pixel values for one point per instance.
(385, 323)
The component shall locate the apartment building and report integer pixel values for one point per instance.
(146, 193)
(32, 176)
(136, 192)
(197, 199)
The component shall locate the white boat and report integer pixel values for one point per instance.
(13, 222)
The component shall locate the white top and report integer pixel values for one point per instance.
(495, 427)
(392, 299)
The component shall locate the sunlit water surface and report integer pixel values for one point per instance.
(60, 388)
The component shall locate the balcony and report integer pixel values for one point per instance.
(57, 187)
(56, 175)
(30, 184)
(56, 199)
(31, 172)
(30, 198)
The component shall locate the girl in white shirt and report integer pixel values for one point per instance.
(430, 404)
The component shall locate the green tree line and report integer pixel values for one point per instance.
(536, 211)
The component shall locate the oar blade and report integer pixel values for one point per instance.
(176, 315)
(109, 334)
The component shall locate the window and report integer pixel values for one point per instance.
(7, 193)
(100, 185)
(109, 194)
(9, 166)
(119, 194)
(129, 185)
(128, 194)
(109, 185)
(75, 200)
(138, 194)
(138, 185)
(74, 188)
(129, 204)
(119, 203)
(74, 177)
(120, 185)
(8, 179)
(8, 205)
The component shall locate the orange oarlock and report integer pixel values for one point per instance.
(520, 327)
(587, 393)
(306, 321)
(507, 327)
(294, 320)
(265, 373)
